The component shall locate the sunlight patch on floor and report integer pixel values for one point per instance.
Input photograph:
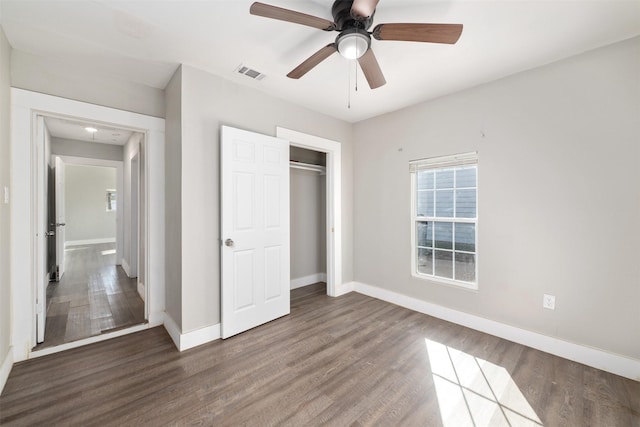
(474, 392)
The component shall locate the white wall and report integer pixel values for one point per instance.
(91, 150)
(85, 203)
(54, 77)
(173, 199)
(5, 255)
(559, 199)
(308, 224)
(207, 103)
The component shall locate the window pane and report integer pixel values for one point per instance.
(465, 237)
(444, 235)
(465, 267)
(425, 261)
(444, 178)
(466, 203)
(444, 264)
(425, 203)
(425, 234)
(444, 203)
(425, 180)
(466, 177)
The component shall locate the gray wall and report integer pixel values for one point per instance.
(207, 103)
(308, 223)
(92, 150)
(5, 276)
(173, 198)
(85, 203)
(559, 199)
(58, 78)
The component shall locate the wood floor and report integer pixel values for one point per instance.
(347, 361)
(94, 296)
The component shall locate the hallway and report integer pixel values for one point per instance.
(93, 297)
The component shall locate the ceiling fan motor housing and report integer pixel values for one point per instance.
(341, 11)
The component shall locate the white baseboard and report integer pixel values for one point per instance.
(596, 358)
(125, 266)
(89, 241)
(5, 368)
(193, 338)
(141, 290)
(344, 288)
(308, 280)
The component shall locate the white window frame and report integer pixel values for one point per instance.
(436, 163)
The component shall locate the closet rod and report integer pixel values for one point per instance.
(307, 166)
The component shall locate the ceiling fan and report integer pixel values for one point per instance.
(353, 18)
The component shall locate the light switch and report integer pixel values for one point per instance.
(6, 195)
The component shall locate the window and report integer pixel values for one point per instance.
(444, 216)
(111, 200)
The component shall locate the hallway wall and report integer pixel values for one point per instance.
(85, 204)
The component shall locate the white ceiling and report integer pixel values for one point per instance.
(144, 41)
(75, 129)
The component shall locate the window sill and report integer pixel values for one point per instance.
(450, 282)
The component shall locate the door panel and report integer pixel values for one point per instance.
(254, 229)
(60, 216)
(42, 228)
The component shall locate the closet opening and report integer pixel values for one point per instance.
(308, 219)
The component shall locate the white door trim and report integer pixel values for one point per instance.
(25, 107)
(333, 151)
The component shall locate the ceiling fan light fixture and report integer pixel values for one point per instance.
(353, 43)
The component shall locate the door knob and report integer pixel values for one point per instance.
(50, 233)
(228, 242)
(60, 224)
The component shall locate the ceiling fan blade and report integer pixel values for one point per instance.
(313, 60)
(371, 69)
(363, 8)
(274, 12)
(430, 33)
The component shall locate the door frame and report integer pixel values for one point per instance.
(26, 239)
(333, 151)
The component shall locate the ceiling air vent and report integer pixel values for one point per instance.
(256, 75)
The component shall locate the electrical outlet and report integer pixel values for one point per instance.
(549, 301)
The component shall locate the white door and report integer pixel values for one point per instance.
(60, 221)
(133, 235)
(42, 228)
(254, 229)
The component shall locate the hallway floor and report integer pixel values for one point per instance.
(94, 296)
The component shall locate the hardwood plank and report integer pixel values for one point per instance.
(351, 360)
(91, 280)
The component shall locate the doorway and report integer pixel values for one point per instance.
(92, 287)
(307, 186)
(333, 201)
(29, 220)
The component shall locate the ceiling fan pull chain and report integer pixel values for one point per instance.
(349, 85)
(356, 75)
